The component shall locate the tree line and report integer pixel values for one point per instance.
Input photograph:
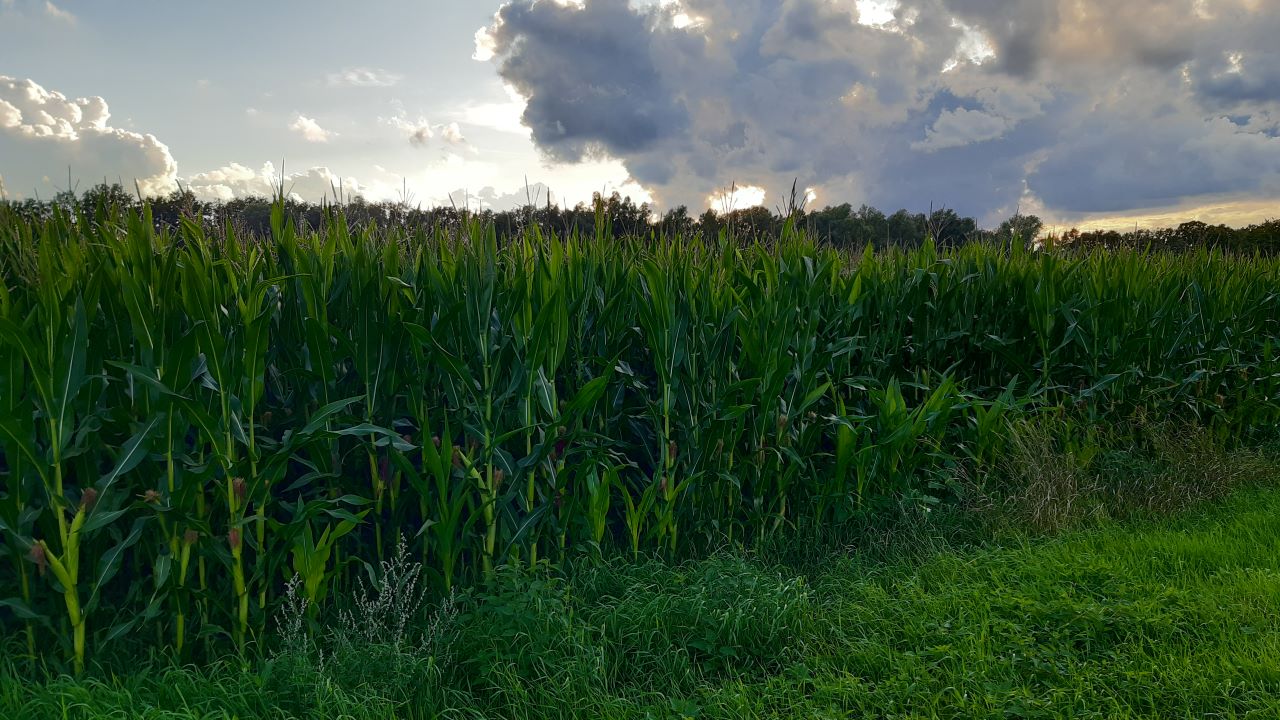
(838, 225)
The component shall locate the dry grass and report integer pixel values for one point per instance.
(1193, 468)
(1046, 486)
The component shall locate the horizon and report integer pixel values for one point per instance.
(1076, 112)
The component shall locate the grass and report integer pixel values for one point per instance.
(1163, 617)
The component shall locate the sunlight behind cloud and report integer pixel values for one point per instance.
(974, 47)
(500, 116)
(485, 45)
(876, 13)
(1226, 211)
(736, 198)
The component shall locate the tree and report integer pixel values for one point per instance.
(169, 210)
(756, 223)
(949, 229)
(1025, 228)
(835, 225)
(676, 222)
(905, 229)
(709, 225)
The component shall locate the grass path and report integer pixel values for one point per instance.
(1176, 619)
(1180, 619)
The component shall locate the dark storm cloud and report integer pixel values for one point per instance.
(1086, 105)
(1105, 168)
(1240, 63)
(589, 75)
(1257, 82)
(1030, 37)
(1017, 30)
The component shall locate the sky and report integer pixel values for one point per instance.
(1089, 113)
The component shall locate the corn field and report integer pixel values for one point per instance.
(188, 420)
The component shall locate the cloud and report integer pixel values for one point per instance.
(1086, 105)
(363, 77)
(959, 127)
(420, 132)
(486, 46)
(579, 103)
(491, 185)
(236, 180)
(452, 134)
(38, 12)
(1228, 211)
(739, 198)
(1240, 65)
(505, 117)
(537, 194)
(310, 130)
(43, 133)
(876, 12)
(1107, 169)
(420, 135)
(58, 13)
(488, 198)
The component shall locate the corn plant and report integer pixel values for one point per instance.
(191, 417)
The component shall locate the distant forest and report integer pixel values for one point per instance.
(839, 225)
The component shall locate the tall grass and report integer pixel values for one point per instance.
(1172, 619)
(190, 420)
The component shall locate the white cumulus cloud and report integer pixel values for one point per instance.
(310, 130)
(421, 131)
(452, 133)
(43, 133)
(235, 180)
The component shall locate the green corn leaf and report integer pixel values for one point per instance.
(322, 415)
(109, 563)
(11, 333)
(21, 609)
(146, 376)
(69, 374)
(18, 437)
(100, 519)
(132, 453)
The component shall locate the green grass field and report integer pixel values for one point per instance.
(1176, 618)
